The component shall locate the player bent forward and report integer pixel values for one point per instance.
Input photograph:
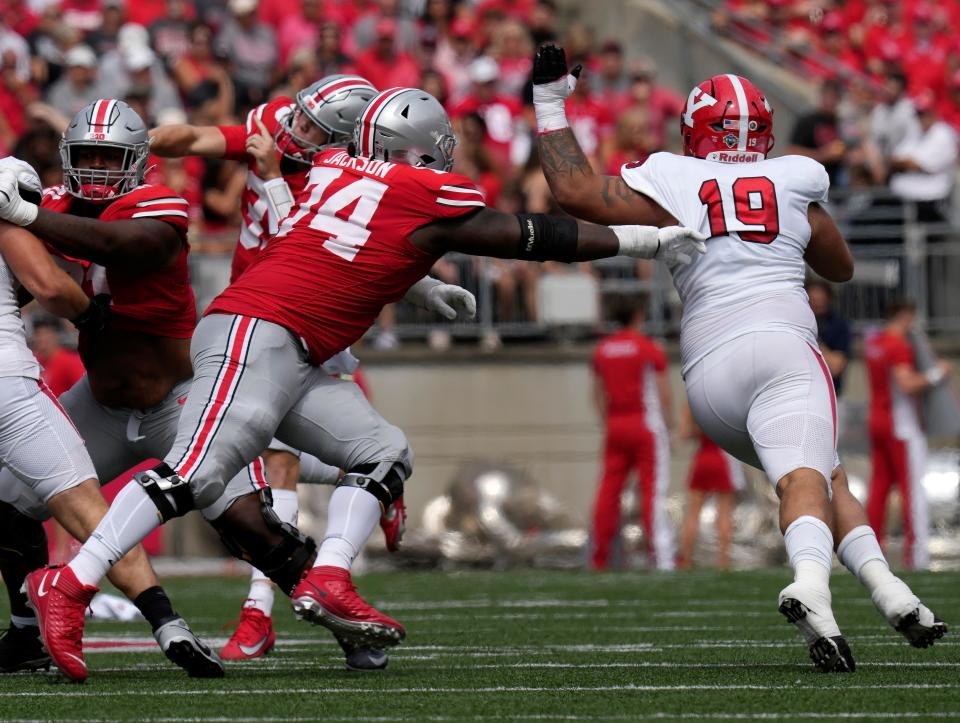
(257, 350)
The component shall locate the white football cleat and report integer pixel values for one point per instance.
(808, 609)
(908, 616)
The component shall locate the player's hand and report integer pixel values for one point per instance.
(264, 151)
(451, 302)
(674, 245)
(12, 207)
(27, 177)
(551, 81)
(96, 316)
(680, 245)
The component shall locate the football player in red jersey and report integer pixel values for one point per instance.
(756, 381)
(134, 239)
(278, 142)
(258, 349)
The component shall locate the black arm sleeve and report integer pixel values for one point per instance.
(547, 238)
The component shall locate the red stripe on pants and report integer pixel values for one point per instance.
(221, 395)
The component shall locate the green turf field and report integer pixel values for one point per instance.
(530, 646)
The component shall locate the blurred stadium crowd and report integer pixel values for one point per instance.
(888, 112)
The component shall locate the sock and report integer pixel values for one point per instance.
(23, 621)
(352, 515)
(860, 553)
(809, 544)
(261, 595)
(131, 517)
(155, 606)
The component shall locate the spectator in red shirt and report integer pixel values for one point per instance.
(384, 64)
(300, 29)
(499, 112)
(591, 122)
(513, 51)
(15, 95)
(898, 447)
(611, 84)
(635, 140)
(62, 367)
(453, 58)
(632, 394)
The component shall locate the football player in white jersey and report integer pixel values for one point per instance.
(756, 381)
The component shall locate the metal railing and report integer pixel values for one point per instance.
(896, 255)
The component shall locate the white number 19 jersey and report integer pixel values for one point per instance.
(751, 277)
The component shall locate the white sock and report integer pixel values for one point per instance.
(860, 553)
(23, 621)
(287, 507)
(352, 515)
(809, 544)
(261, 594)
(131, 517)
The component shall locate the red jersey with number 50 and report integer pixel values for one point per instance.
(343, 253)
(751, 278)
(256, 231)
(159, 302)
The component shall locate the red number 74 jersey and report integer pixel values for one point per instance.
(343, 252)
(751, 277)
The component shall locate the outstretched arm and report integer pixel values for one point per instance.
(179, 139)
(538, 237)
(579, 190)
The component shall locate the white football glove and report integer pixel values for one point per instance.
(674, 245)
(448, 300)
(27, 177)
(13, 208)
(452, 302)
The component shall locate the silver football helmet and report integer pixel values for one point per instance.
(112, 124)
(406, 125)
(333, 104)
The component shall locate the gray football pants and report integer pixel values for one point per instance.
(118, 438)
(253, 382)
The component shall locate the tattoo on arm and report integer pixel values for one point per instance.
(560, 154)
(615, 191)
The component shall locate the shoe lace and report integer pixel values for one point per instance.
(250, 628)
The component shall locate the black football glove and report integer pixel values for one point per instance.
(96, 316)
(550, 64)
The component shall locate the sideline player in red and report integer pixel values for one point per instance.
(898, 446)
(632, 393)
(756, 381)
(712, 472)
(366, 228)
(134, 237)
(278, 142)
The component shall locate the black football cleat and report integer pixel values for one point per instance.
(21, 649)
(363, 659)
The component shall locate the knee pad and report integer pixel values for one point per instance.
(384, 480)
(251, 531)
(169, 491)
(23, 540)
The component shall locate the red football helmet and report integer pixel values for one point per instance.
(726, 118)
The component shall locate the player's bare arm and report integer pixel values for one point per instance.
(827, 253)
(539, 237)
(578, 189)
(50, 285)
(180, 139)
(131, 244)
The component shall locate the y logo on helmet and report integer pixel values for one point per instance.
(695, 101)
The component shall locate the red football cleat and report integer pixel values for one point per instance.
(326, 596)
(60, 601)
(253, 637)
(393, 522)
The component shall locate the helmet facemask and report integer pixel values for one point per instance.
(296, 147)
(102, 184)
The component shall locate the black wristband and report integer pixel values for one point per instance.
(95, 316)
(547, 238)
